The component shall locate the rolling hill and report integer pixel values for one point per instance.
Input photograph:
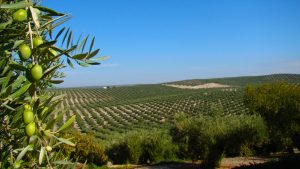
(243, 80)
(105, 112)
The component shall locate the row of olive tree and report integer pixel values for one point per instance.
(30, 60)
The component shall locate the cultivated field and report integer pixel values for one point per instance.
(105, 112)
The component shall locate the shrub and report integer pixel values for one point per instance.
(126, 150)
(87, 148)
(279, 105)
(142, 147)
(157, 147)
(212, 137)
(180, 134)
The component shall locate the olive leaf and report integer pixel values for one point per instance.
(6, 81)
(67, 123)
(42, 154)
(66, 141)
(3, 25)
(92, 45)
(35, 17)
(62, 162)
(23, 152)
(19, 92)
(17, 66)
(17, 43)
(101, 58)
(70, 63)
(94, 53)
(59, 33)
(82, 44)
(52, 22)
(69, 39)
(56, 81)
(49, 11)
(47, 44)
(51, 69)
(65, 36)
(80, 56)
(18, 82)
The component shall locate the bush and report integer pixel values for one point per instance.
(180, 134)
(126, 150)
(142, 147)
(278, 104)
(86, 149)
(157, 147)
(212, 137)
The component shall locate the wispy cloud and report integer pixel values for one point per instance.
(110, 65)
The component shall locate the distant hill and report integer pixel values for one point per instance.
(242, 80)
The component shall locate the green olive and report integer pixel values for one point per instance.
(20, 15)
(36, 72)
(28, 116)
(30, 129)
(24, 52)
(37, 41)
(27, 107)
(37, 11)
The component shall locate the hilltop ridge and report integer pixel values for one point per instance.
(240, 80)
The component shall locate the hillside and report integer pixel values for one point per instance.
(242, 80)
(106, 112)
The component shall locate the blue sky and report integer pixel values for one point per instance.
(152, 41)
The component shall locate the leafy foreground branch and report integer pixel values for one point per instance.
(30, 60)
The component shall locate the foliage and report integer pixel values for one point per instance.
(211, 137)
(180, 134)
(142, 147)
(86, 149)
(157, 147)
(30, 60)
(279, 105)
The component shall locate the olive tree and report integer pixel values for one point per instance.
(279, 105)
(211, 137)
(32, 52)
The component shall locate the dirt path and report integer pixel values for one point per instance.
(227, 163)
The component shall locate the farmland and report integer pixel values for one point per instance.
(105, 112)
